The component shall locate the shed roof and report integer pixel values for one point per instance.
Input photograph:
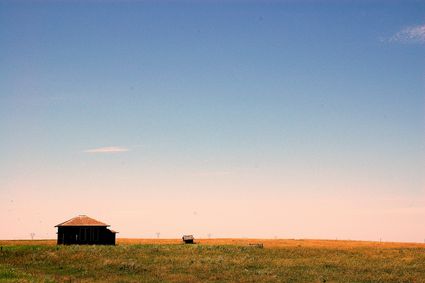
(82, 220)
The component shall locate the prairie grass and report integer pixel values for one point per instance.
(213, 260)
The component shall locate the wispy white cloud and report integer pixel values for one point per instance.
(413, 34)
(107, 149)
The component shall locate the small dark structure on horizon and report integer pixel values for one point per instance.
(188, 239)
(83, 230)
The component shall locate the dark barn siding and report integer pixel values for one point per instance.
(85, 235)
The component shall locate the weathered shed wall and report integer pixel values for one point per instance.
(85, 235)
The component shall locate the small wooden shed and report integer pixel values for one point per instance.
(188, 239)
(83, 230)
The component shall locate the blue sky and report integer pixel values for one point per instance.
(194, 105)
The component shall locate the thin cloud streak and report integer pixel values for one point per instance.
(413, 34)
(107, 149)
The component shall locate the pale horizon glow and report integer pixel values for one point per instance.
(107, 149)
(252, 119)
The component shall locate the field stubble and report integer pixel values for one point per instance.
(212, 260)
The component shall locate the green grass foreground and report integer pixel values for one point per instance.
(210, 263)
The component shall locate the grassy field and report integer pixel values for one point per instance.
(215, 260)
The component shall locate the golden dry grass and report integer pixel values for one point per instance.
(27, 242)
(213, 260)
(268, 243)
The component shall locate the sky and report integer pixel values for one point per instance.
(268, 119)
